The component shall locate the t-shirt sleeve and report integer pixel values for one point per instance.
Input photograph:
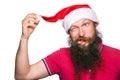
(52, 63)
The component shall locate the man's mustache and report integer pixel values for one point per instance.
(82, 38)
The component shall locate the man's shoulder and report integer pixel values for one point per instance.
(64, 49)
(108, 50)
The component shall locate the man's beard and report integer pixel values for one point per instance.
(85, 57)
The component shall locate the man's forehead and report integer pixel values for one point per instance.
(81, 21)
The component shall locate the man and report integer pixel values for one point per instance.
(86, 59)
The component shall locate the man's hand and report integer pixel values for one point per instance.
(29, 23)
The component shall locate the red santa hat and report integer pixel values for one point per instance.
(73, 13)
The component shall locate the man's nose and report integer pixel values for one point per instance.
(81, 32)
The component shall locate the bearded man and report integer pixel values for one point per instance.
(87, 58)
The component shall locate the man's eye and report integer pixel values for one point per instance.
(85, 24)
(73, 28)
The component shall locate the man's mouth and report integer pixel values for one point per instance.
(81, 42)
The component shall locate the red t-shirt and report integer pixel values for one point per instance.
(60, 63)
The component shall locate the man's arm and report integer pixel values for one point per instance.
(23, 69)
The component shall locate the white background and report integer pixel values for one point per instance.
(48, 36)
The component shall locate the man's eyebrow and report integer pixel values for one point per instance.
(73, 26)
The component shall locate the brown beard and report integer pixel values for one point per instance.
(85, 58)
